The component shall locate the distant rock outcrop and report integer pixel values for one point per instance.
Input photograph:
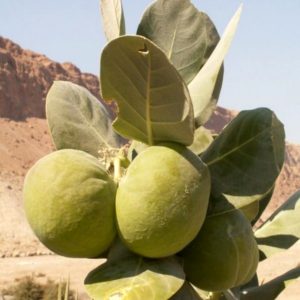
(288, 181)
(25, 78)
(220, 118)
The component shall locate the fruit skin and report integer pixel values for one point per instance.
(162, 201)
(223, 255)
(69, 202)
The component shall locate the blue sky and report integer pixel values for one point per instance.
(262, 68)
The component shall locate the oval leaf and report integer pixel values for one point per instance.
(271, 289)
(202, 139)
(247, 156)
(188, 36)
(77, 120)
(282, 229)
(263, 203)
(202, 86)
(135, 149)
(245, 201)
(135, 278)
(113, 18)
(187, 292)
(251, 210)
(118, 251)
(153, 100)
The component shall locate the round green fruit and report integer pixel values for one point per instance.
(223, 255)
(70, 203)
(162, 201)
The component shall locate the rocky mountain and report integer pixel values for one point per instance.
(25, 78)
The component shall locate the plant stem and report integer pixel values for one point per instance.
(117, 169)
(215, 295)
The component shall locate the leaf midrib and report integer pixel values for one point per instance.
(148, 106)
(93, 128)
(172, 42)
(240, 146)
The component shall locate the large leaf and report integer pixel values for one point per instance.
(77, 120)
(153, 100)
(202, 86)
(246, 158)
(113, 18)
(186, 35)
(248, 202)
(263, 203)
(252, 206)
(202, 139)
(135, 278)
(118, 251)
(187, 292)
(251, 210)
(271, 289)
(135, 149)
(282, 229)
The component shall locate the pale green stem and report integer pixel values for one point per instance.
(215, 295)
(59, 290)
(67, 289)
(117, 169)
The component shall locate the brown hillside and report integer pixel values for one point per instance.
(25, 78)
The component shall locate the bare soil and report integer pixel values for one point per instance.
(60, 268)
(42, 268)
(279, 264)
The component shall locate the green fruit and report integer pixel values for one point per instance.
(70, 203)
(224, 253)
(162, 201)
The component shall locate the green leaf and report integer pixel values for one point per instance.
(202, 86)
(187, 292)
(135, 149)
(271, 289)
(263, 203)
(118, 251)
(282, 229)
(251, 210)
(188, 36)
(232, 294)
(202, 139)
(255, 207)
(113, 18)
(77, 120)
(135, 278)
(153, 100)
(246, 158)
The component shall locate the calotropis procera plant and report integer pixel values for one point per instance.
(172, 214)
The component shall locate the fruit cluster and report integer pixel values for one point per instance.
(158, 209)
